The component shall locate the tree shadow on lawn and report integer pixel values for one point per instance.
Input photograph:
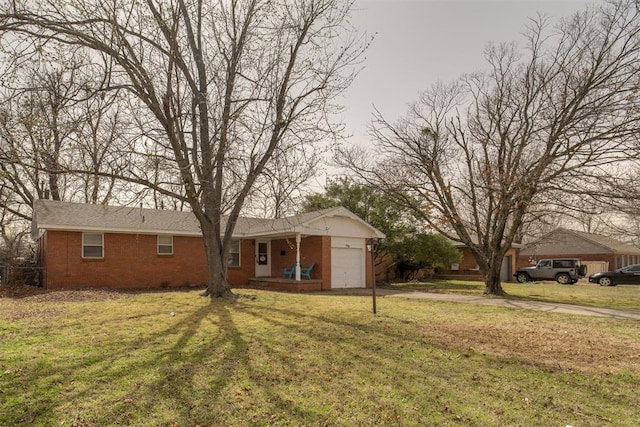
(345, 371)
(122, 384)
(206, 355)
(198, 368)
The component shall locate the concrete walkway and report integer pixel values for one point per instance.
(500, 302)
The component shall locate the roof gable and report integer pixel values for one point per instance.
(606, 241)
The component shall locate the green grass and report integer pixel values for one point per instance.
(582, 293)
(288, 359)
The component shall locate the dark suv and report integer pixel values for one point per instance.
(565, 271)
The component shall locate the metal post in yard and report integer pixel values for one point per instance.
(371, 244)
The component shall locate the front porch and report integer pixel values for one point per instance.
(283, 284)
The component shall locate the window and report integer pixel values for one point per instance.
(263, 255)
(92, 245)
(562, 263)
(234, 254)
(165, 245)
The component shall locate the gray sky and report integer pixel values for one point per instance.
(419, 42)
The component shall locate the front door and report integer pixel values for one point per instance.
(263, 258)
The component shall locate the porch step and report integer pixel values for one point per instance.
(280, 284)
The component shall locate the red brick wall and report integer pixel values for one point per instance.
(283, 255)
(131, 261)
(311, 251)
(466, 266)
(239, 276)
(468, 263)
(325, 268)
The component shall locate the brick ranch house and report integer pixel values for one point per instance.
(468, 269)
(83, 245)
(599, 253)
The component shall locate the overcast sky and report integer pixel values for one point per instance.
(419, 42)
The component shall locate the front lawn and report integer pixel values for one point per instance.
(96, 358)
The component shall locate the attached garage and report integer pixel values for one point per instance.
(348, 263)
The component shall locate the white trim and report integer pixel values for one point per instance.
(239, 254)
(354, 246)
(92, 246)
(263, 270)
(89, 229)
(158, 244)
(298, 266)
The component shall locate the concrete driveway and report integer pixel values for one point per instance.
(500, 302)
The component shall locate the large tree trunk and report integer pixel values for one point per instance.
(493, 285)
(218, 282)
(490, 262)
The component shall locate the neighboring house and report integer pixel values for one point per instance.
(468, 267)
(599, 253)
(83, 245)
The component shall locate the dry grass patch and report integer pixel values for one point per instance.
(585, 347)
(22, 302)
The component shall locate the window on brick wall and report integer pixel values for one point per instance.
(234, 254)
(165, 245)
(92, 245)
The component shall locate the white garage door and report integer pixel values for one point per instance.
(347, 264)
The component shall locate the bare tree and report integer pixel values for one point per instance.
(622, 212)
(57, 140)
(102, 148)
(479, 158)
(227, 84)
(35, 132)
(278, 190)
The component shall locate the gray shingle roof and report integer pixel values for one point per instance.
(57, 215)
(50, 214)
(607, 242)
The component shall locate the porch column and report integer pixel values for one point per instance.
(298, 238)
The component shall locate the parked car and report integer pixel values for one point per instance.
(565, 271)
(629, 275)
